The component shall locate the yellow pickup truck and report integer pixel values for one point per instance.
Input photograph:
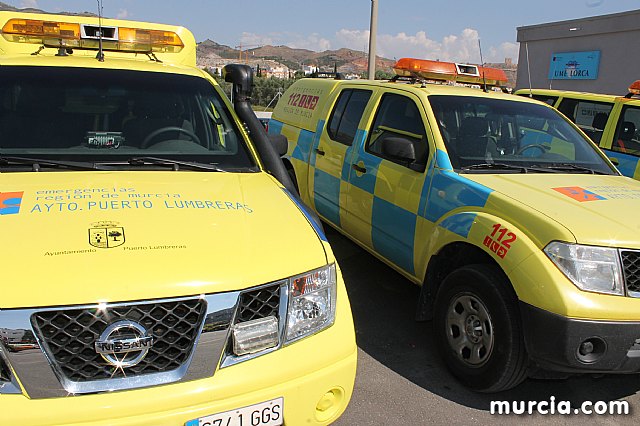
(159, 268)
(522, 234)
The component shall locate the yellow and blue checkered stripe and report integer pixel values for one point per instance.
(393, 227)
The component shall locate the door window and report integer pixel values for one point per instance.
(344, 119)
(627, 139)
(590, 116)
(398, 116)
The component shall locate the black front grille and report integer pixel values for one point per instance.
(631, 267)
(259, 303)
(69, 337)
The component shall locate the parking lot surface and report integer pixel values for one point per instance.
(401, 380)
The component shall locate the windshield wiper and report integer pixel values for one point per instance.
(37, 163)
(568, 167)
(503, 166)
(174, 164)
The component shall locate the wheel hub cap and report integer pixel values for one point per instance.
(469, 330)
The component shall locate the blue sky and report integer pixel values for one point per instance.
(445, 30)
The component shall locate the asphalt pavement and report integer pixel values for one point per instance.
(402, 381)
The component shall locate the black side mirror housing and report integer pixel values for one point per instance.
(403, 151)
(280, 143)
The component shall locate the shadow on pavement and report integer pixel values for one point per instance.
(383, 305)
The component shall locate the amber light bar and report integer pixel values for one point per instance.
(84, 36)
(449, 71)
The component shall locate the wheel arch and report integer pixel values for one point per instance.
(448, 259)
(466, 238)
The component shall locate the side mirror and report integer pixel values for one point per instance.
(280, 143)
(401, 150)
(614, 161)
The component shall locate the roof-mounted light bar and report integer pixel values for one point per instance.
(634, 89)
(450, 72)
(86, 36)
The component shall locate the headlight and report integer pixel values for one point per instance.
(312, 302)
(590, 268)
(282, 312)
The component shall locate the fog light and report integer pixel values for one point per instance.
(586, 348)
(330, 404)
(591, 350)
(255, 335)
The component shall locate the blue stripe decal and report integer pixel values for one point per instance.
(442, 160)
(327, 195)
(275, 127)
(366, 181)
(303, 146)
(426, 185)
(392, 233)
(627, 163)
(450, 191)
(305, 210)
(459, 224)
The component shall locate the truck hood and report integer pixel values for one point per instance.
(596, 209)
(86, 237)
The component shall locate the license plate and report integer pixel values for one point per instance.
(268, 413)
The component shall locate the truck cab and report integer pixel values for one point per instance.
(519, 230)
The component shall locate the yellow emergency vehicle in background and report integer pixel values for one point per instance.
(158, 268)
(522, 234)
(613, 122)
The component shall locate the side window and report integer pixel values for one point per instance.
(346, 114)
(590, 116)
(627, 139)
(398, 116)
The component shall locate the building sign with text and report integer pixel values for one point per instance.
(574, 65)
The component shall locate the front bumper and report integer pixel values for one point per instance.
(302, 374)
(563, 344)
(314, 376)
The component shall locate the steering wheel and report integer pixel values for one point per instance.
(161, 130)
(542, 148)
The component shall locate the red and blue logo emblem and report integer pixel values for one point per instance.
(579, 194)
(10, 202)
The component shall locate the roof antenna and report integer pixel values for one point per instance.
(100, 55)
(482, 65)
(526, 47)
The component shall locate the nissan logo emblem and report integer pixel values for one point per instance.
(124, 343)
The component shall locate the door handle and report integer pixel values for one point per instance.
(359, 168)
(319, 151)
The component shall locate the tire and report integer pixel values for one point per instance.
(478, 329)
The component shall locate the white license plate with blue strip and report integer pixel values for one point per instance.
(268, 413)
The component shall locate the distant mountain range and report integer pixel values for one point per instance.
(4, 6)
(346, 60)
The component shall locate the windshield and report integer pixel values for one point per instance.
(111, 116)
(510, 136)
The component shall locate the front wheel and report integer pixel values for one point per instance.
(478, 328)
